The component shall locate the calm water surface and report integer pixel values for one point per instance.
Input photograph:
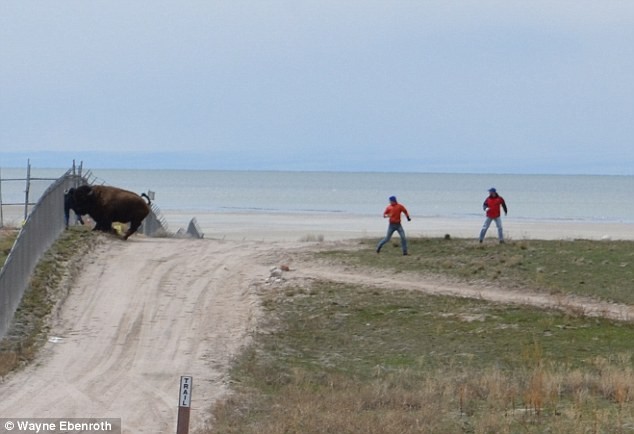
(535, 197)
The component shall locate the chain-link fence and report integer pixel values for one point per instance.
(42, 227)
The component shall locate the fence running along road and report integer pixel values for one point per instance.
(42, 226)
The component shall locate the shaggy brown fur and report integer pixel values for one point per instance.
(110, 204)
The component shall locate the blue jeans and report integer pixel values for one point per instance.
(394, 227)
(487, 223)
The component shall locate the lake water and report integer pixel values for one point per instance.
(532, 197)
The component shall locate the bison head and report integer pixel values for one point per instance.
(84, 199)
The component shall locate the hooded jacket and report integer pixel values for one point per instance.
(492, 205)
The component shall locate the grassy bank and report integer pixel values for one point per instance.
(49, 284)
(599, 269)
(348, 359)
(7, 238)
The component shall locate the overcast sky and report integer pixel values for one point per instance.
(464, 86)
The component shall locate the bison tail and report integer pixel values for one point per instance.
(146, 198)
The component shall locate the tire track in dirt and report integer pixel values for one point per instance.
(576, 305)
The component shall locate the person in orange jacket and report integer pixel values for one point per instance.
(393, 212)
(492, 206)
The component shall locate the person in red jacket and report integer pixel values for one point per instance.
(492, 206)
(393, 212)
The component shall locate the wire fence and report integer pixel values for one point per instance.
(34, 186)
(43, 225)
(41, 228)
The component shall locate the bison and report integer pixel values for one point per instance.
(110, 204)
(69, 203)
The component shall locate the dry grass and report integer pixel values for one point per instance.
(50, 282)
(7, 238)
(343, 359)
(312, 238)
(544, 399)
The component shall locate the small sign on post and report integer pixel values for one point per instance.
(184, 405)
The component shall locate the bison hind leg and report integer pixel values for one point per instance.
(134, 225)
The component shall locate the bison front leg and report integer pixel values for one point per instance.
(99, 226)
(104, 226)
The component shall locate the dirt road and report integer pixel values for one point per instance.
(141, 314)
(146, 311)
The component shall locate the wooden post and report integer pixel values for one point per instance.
(184, 405)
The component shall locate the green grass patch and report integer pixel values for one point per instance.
(49, 283)
(600, 269)
(406, 328)
(7, 238)
(347, 359)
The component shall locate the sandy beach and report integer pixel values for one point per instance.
(271, 226)
(331, 227)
